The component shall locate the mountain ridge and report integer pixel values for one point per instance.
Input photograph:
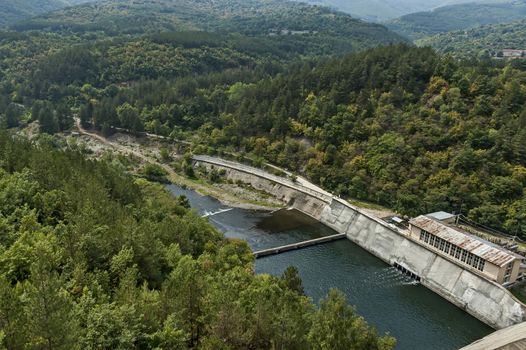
(14, 11)
(485, 41)
(286, 21)
(382, 10)
(456, 17)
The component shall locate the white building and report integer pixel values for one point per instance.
(436, 232)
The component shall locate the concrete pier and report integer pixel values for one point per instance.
(294, 246)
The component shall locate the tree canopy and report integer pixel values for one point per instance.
(93, 258)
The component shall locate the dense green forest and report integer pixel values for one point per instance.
(14, 11)
(398, 126)
(92, 258)
(298, 22)
(456, 17)
(485, 41)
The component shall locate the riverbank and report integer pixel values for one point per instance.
(145, 150)
(385, 297)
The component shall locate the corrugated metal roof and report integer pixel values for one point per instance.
(476, 245)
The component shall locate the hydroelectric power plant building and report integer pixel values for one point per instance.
(438, 233)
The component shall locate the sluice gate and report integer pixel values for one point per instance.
(406, 271)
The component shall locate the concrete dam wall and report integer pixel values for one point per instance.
(482, 298)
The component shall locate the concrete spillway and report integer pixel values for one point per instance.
(294, 246)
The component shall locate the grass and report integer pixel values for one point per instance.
(207, 188)
(366, 205)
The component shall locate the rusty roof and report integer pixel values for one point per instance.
(473, 244)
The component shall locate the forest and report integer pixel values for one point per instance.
(480, 42)
(94, 258)
(457, 17)
(14, 11)
(398, 126)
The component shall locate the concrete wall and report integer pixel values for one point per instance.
(492, 270)
(464, 287)
(484, 299)
(294, 195)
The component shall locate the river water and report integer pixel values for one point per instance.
(417, 317)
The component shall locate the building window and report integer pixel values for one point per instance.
(507, 274)
(475, 262)
(453, 250)
(470, 259)
(457, 252)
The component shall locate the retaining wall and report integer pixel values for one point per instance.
(484, 299)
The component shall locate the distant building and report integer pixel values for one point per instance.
(437, 233)
(509, 53)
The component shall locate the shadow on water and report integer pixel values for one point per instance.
(285, 220)
(388, 299)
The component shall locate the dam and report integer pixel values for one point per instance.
(484, 299)
(388, 299)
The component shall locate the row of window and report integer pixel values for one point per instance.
(452, 250)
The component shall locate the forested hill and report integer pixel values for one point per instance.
(91, 258)
(485, 41)
(381, 10)
(398, 126)
(12, 11)
(248, 17)
(456, 17)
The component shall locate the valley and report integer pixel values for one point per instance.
(148, 150)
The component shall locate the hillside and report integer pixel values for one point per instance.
(14, 11)
(398, 126)
(485, 41)
(381, 10)
(297, 28)
(95, 258)
(251, 17)
(456, 17)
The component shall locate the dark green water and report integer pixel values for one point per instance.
(417, 317)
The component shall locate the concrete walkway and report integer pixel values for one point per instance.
(511, 338)
(303, 186)
(299, 245)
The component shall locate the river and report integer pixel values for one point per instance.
(417, 317)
